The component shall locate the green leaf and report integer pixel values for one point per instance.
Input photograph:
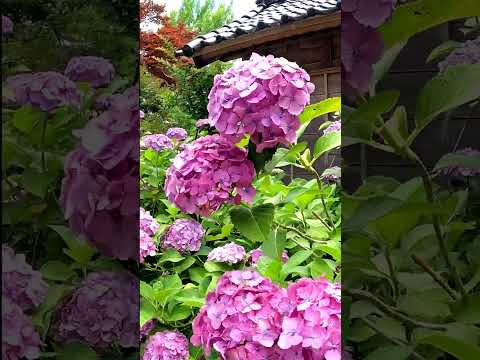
(275, 244)
(417, 16)
(326, 143)
(394, 352)
(56, 270)
(179, 313)
(459, 349)
(443, 50)
(26, 119)
(36, 182)
(283, 157)
(79, 251)
(398, 125)
(296, 259)
(269, 267)
(172, 256)
(77, 351)
(454, 159)
(331, 248)
(323, 107)
(184, 265)
(320, 268)
(446, 91)
(467, 310)
(255, 223)
(211, 266)
(147, 311)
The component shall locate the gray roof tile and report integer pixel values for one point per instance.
(266, 14)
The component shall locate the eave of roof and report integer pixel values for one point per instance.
(264, 24)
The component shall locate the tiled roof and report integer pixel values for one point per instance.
(267, 13)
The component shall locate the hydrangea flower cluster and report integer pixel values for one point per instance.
(19, 338)
(157, 142)
(177, 133)
(148, 227)
(147, 328)
(20, 283)
(362, 45)
(184, 235)
(463, 171)
(467, 53)
(103, 310)
(99, 194)
(314, 321)
(335, 126)
(256, 254)
(7, 25)
(230, 253)
(261, 97)
(248, 317)
(44, 91)
(166, 345)
(208, 173)
(96, 71)
(241, 316)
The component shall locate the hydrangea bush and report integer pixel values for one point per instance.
(240, 247)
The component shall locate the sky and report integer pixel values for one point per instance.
(240, 7)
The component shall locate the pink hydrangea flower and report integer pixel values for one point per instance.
(313, 323)
(261, 97)
(184, 235)
(256, 254)
(177, 133)
(148, 228)
(101, 312)
(157, 142)
(142, 114)
(242, 317)
(463, 171)
(230, 253)
(96, 71)
(369, 13)
(208, 173)
(166, 345)
(7, 25)
(333, 127)
(20, 283)
(19, 338)
(45, 91)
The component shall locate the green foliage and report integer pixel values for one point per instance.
(203, 16)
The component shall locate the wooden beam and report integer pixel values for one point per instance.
(222, 50)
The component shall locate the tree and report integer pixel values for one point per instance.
(202, 16)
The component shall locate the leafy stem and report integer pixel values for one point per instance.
(44, 132)
(311, 169)
(393, 312)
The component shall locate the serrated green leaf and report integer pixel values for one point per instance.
(255, 223)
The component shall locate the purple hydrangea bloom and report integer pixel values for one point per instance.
(157, 142)
(142, 114)
(241, 317)
(209, 172)
(333, 127)
(45, 91)
(101, 312)
(184, 235)
(166, 345)
(177, 133)
(362, 47)
(313, 323)
(467, 53)
(230, 253)
(332, 175)
(7, 25)
(256, 254)
(261, 97)
(96, 71)
(372, 13)
(20, 283)
(147, 328)
(19, 338)
(99, 194)
(463, 171)
(148, 227)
